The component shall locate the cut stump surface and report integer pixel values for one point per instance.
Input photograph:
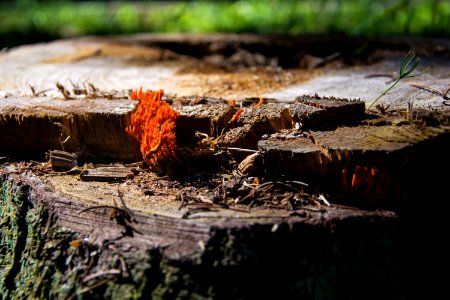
(308, 180)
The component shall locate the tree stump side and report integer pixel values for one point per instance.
(42, 259)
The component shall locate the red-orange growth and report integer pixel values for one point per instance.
(153, 125)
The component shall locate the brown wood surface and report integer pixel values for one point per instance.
(159, 223)
(72, 95)
(112, 197)
(232, 66)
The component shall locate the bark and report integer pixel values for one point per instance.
(50, 250)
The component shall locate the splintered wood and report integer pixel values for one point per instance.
(329, 142)
(256, 121)
(279, 166)
(245, 103)
(89, 127)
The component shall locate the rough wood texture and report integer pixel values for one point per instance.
(254, 122)
(312, 111)
(214, 65)
(381, 165)
(108, 174)
(124, 232)
(210, 119)
(62, 160)
(211, 242)
(95, 127)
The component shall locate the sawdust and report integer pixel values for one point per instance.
(254, 81)
(224, 76)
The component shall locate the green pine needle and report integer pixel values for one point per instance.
(408, 65)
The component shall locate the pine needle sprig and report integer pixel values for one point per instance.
(408, 65)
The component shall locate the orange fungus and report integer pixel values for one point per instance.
(260, 102)
(153, 125)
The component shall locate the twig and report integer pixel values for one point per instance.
(101, 274)
(409, 111)
(324, 200)
(430, 89)
(252, 193)
(382, 110)
(125, 207)
(195, 210)
(238, 149)
(64, 91)
(286, 185)
(36, 94)
(90, 288)
(123, 267)
(183, 202)
(102, 206)
(128, 225)
(64, 130)
(298, 182)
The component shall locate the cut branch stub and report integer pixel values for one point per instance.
(256, 121)
(381, 165)
(312, 111)
(95, 127)
(210, 119)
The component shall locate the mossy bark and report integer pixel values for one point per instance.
(33, 249)
(38, 261)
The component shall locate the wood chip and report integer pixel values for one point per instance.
(107, 174)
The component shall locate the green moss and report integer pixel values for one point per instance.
(11, 241)
(37, 262)
(247, 263)
(33, 250)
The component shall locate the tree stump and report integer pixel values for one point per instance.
(335, 202)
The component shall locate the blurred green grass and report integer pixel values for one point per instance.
(29, 21)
